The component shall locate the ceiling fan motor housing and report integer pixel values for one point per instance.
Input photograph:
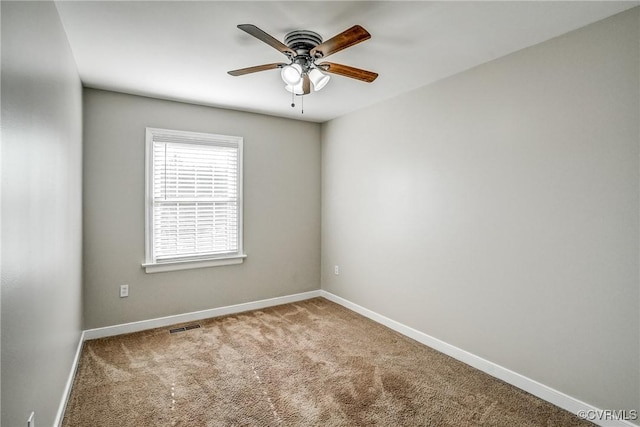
(302, 41)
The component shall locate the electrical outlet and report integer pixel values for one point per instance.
(336, 270)
(31, 421)
(124, 291)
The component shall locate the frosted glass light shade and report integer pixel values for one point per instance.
(297, 89)
(291, 74)
(318, 79)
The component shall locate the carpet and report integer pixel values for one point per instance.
(311, 363)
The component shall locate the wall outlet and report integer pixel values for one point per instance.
(124, 291)
(336, 270)
(31, 421)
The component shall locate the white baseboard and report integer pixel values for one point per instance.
(542, 391)
(67, 388)
(161, 322)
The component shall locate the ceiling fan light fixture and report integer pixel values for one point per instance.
(318, 78)
(297, 89)
(291, 74)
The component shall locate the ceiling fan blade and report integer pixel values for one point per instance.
(345, 70)
(345, 39)
(249, 70)
(271, 41)
(306, 84)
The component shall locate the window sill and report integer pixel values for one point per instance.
(187, 265)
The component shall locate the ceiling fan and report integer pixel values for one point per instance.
(303, 49)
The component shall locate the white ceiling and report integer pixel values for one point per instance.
(182, 50)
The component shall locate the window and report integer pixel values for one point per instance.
(193, 200)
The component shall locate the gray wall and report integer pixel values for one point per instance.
(498, 211)
(41, 211)
(281, 210)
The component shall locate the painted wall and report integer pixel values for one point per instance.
(281, 210)
(498, 210)
(41, 211)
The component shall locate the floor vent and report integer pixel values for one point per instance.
(184, 328)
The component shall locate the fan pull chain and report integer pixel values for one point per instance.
(293, 104)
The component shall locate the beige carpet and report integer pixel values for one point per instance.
(312, 363)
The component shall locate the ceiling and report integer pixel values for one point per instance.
(182, 50)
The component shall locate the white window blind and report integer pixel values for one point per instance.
(194, 196)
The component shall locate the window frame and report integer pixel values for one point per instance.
(151, 265)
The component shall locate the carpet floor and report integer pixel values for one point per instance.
(312, 363)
